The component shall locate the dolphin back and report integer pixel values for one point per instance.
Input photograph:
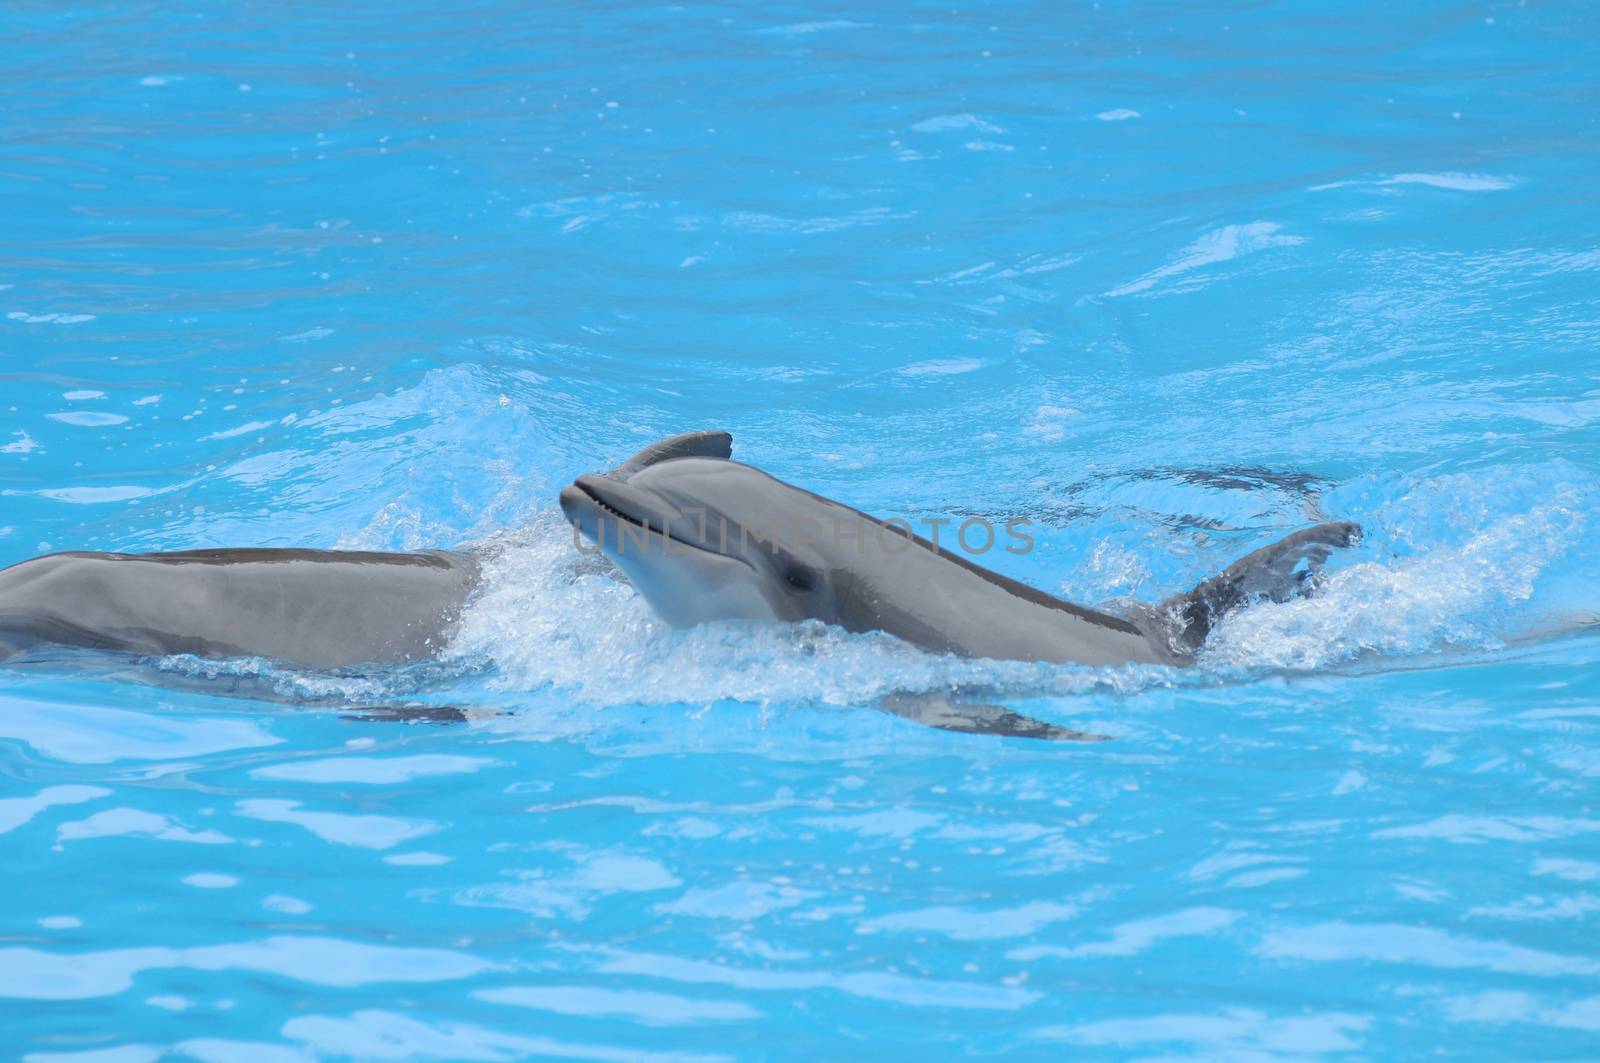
(315, 608)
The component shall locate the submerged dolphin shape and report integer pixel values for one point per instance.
(703, 537)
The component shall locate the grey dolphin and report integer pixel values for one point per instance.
(316, 608)
(703, 537)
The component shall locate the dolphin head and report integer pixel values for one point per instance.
(705, 538)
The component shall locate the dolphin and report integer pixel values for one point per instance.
(703, 537)
(692, 529)
(314, 608)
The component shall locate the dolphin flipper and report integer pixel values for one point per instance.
(948, 714)
(1284, 570)
(687, 445)
(408, 713)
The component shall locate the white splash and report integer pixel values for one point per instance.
(1455, 182)
(1459, 182)
(88, 418)
(40, 319)
(1449, 595)
(805, 29)
(945, 122)
(551, 618)
(942, 367)
(1222, 245)
(89, 496)
(309, 334)
(242, 430)
(23, 444)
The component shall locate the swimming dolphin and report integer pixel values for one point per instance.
(703, 537)
(314, 608)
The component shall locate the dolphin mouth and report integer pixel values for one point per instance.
(609, 497)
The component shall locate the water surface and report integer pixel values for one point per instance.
(1169, 281)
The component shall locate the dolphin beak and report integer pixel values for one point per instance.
(582, 511)
(594, 503)
(574, 502)
(620, 500)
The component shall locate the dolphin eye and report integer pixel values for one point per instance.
(800, 579)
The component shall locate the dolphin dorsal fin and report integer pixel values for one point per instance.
(687, 445)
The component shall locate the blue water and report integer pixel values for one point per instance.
(1169, 280)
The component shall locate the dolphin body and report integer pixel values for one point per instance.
(314, 608)
(703, 537)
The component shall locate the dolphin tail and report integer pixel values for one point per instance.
(1286, 569)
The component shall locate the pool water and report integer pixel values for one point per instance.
(1169, 281)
